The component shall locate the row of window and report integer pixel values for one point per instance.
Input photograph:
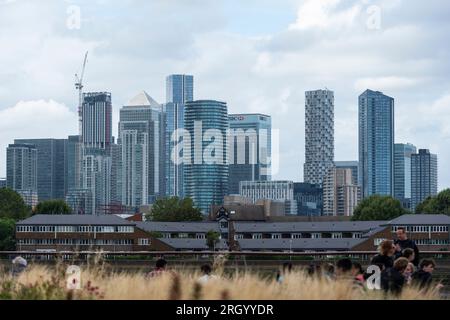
(184, 235)
(76, 229)
(75, 241)
(420, 229)
(334, 235)
(420, 242)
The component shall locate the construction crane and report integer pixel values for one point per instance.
(79, 87)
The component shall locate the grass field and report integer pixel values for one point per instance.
(44, 282)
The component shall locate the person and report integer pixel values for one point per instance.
(392, 279)
(423, 278)
(358, 272)
(385, 256)
(160, 268)
(287, 268)
(343, 268)
(402, 242)
(410, 269)
(19, 264)
(206, 269)
(409, 254)
(329, 271)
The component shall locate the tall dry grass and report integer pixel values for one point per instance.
(98, 284)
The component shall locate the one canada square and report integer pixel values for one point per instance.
(319, 135)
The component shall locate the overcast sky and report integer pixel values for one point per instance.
(257, 55)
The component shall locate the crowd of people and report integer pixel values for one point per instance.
(396, 265)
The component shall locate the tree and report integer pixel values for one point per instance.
(175, 209)
(378, 208)
(212, 238)
(439, 204)
(52, 207)
(7, 228)
(12, 205)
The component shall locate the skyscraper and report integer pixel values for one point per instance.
(174, 122)
(340, 193)
(250, 149)
(141, 141)
(3, 183)
(51, 167)
(73, 154)
(402, 172)
(376, 143)
(96, 150)
(319, 135)
(179, 88)
(309, 198)
(97, 120)
(206, 154)
(424, 176)
(21, 171)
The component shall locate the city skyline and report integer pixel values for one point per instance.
(48, 110)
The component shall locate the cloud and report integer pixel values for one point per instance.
(386, 83)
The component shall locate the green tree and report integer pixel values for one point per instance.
(439, 204)
(378, 208)
(175, 209)
(52, 207)
(12, 205)
(7, 228)
(212, 239)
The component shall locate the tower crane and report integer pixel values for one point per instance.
(79, 86)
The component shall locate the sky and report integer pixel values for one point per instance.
(257, 55)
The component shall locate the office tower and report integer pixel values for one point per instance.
(116, 174)
(97, 120)
(73, 165)
(270, 190)
(174, 122)
(96, 150)
(340, 193)
(206, 154)
(97, 181)
(3, 183)
(179, 88)
(424, 176)
(309, 198)
(319, 135)
(51, 167)
(352, 165)
(141, 140)
(21, 171)
(250, 149)
(376, 143)
(402, 173)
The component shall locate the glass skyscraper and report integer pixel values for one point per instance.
(319, 135)
(249, 149)
(21, 171)
(179, 88)
(424, 176)
(51, 167)
(206, 154)
(376, 143)
(402, 172)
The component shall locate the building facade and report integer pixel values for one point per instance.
(424, 176)
(3, 183)
(97, 120)
(340, 194)
(205, 152)
(51, 167)
(179, 88)
(309, 198)
(250, 149)
(352, 165)
(271, 190)
(319, 135)
(21, 171)
(402, 172)
(376, 144)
